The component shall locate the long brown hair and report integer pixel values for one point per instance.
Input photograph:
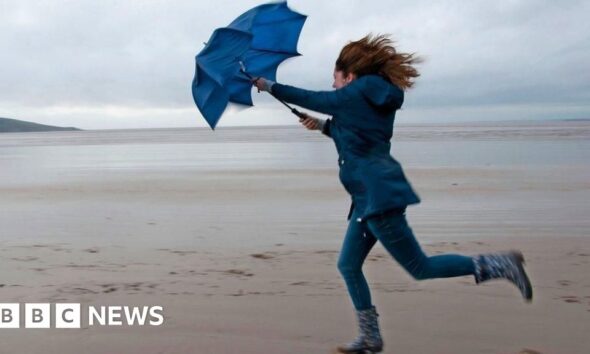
(377, 55)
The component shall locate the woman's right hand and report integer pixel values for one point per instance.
(310, 122)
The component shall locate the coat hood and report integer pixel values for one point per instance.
(380, 92)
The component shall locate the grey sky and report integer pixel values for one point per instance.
(129, 64)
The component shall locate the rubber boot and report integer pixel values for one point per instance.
(369, 339)
(508, 265)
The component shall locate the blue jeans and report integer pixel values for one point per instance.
(393, 231)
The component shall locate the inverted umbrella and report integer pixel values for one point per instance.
(253, 45)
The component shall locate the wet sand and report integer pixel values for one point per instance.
(244, 261)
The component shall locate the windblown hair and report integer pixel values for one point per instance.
(377, 55)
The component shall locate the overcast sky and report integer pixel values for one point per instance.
(129, 64)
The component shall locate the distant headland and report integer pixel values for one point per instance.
(8, 125)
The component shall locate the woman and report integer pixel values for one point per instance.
(370, 78)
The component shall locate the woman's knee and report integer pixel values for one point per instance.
(347, 266)
(420, 275)
(421, 269)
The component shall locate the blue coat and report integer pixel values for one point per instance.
(361, 127)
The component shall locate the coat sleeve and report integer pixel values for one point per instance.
(326, 128)
(327, 102)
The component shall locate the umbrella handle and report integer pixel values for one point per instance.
(297, 113)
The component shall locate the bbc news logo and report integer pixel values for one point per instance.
(69, 315)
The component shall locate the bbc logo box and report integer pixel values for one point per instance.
(9, 315)
(38, 315)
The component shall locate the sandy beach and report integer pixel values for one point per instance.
(242, 257)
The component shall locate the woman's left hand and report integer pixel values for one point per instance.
(260, 84)
(310, 122)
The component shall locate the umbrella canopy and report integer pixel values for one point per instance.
(254, 44)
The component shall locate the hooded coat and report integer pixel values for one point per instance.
(361, 126)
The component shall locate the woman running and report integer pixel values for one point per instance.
(370, 78)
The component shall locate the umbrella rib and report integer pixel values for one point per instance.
(294, 54)
(296, 17)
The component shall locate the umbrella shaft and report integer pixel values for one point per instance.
(293, 110)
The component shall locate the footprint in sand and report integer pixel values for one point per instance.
(110, 290)
(325, 252)
(242, 293)
(177, 252)
(300, 283)
(76, 291)
(40, 246)
(107, 288)
(572, 299)
(239, 293)
(185, 272)
(238, 272)
(183, 253)
(376, 257)
(25, 259)
(262, 255)
(529, 351)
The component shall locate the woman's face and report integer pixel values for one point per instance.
(341, 80)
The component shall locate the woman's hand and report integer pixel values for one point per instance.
(310, 122)
(260, 83)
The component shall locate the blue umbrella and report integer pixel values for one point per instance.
(253, 45)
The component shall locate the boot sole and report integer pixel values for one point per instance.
(364, 351)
